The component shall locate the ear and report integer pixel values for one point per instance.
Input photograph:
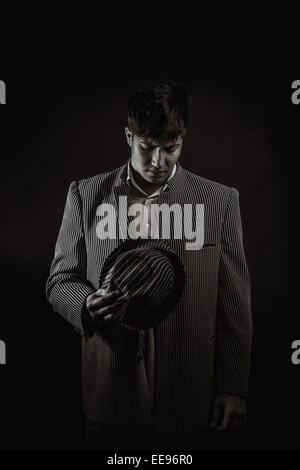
(128, 134)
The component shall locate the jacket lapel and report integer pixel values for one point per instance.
(121, 196)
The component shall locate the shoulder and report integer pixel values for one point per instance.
(108, 177)
(96, 183)
(209, 187)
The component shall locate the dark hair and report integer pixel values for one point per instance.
(160, 112)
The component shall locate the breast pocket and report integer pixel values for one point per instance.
(202, 264)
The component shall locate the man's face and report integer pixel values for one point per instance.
(154, 162)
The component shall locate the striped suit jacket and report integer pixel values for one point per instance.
(202, 348)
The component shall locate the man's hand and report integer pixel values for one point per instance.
(106, 307)
(229, 412)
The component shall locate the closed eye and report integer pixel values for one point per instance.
(171, 149)
(147, 148)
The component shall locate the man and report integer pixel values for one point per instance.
(190, 370)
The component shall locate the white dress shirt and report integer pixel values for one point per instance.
(149, 229)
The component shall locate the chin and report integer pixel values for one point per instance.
(152, 175)
(157, 178)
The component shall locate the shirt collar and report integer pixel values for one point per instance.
(130, 178)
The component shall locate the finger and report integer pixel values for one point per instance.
(125, 297)
(100, 291)
(115, 316)
(121, 313)
(226, 420)
(234, 423)
(103, 311)
(216, 415)
(107, 295)
(243, 421)
(97, 293)
(118, 313)
(108, 318)
(239, 423)
(99, 301)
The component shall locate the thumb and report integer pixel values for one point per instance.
(226, 420)
(216, 415)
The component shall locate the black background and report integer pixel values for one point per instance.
(61, 125)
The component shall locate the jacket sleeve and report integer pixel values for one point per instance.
(67, 287)
(234, 321)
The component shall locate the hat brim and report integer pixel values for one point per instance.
(144, 315)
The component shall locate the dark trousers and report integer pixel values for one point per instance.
(113, 437)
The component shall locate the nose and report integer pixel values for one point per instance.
(156, 159)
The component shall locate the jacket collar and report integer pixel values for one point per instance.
(173, 184)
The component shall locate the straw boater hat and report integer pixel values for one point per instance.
(150, 275)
